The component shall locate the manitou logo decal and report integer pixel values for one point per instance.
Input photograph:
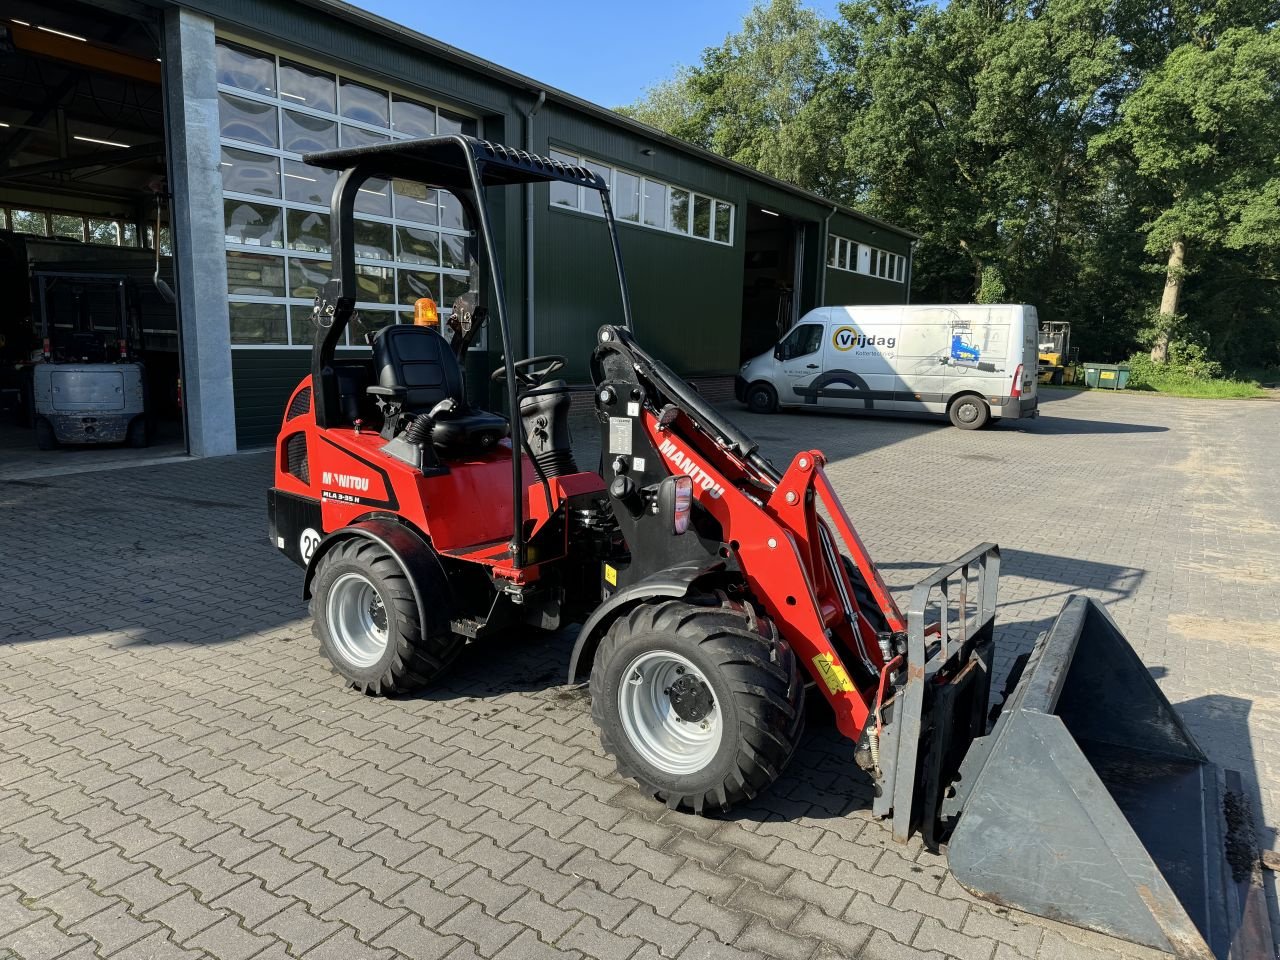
(686, 464)
(346, 481)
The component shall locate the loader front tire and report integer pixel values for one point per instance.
(368, 623)
(701, 705)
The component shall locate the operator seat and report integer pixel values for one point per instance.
(420, 362)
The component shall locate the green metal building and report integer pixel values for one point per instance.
(720, 259)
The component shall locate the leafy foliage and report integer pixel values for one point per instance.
(1049, 151)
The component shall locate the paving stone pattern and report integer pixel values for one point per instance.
(182, 776)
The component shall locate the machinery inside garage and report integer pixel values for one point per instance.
(89, 353)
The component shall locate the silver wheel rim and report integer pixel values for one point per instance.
(651, 723)
(357, 619)
(968, 411)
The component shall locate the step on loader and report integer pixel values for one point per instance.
(715, 591)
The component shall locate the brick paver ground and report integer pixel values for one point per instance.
(181, 774)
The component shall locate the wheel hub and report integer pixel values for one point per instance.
(357, 620)
(668, 713)
(690, 698)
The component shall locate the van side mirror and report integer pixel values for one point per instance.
(777, 352)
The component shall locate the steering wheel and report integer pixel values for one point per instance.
(532, 372)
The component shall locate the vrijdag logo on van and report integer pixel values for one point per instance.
(846, 338)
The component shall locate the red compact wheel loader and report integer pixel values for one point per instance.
(712, 588)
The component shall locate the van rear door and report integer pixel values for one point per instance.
(1030, 356)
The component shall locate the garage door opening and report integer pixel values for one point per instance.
(770, 291)
(89, 352)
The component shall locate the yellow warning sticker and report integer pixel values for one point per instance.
(610, 575)
(832, 673)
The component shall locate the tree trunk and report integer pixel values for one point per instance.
(1169, 299)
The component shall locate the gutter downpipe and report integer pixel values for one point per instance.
(822, 252)
(911, 268)
(529, 308)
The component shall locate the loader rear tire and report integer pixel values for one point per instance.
(736, 716)
(368, 623)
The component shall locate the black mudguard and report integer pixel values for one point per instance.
(415, 556)
(672, 583)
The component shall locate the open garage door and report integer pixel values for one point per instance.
(89, 347)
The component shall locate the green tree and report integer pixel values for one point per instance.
(1202, 129)
(751, 99)
(971, 123)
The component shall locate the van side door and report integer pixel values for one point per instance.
(799, 358)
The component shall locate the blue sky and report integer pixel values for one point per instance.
(607, 52)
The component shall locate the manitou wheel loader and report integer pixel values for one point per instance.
(712, 587)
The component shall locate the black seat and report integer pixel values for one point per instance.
(419, 366)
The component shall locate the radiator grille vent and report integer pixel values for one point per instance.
(296, 449)
(300, 404)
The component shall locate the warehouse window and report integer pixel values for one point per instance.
(889, 266)
(848, 255)
(841, 253)
(99, 231)
(646, 201)
(410, 241)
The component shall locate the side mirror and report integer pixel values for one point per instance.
(777, 352)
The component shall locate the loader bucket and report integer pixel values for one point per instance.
(1091, 803)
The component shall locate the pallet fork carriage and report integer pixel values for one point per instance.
(712, 589)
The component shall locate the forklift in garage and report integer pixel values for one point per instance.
(713, 588)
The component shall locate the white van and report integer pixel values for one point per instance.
(972, 362)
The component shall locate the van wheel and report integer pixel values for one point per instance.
(969, 412)
(762, 398)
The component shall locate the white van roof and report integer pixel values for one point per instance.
(905, 310)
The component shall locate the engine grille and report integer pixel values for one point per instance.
(300, 404)
(296, 451)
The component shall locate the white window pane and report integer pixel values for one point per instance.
(105, 232)
(247, 120)
(256, 224)
(247, 172)
(626, 197)
(450, 122)
(129, 234)
(590, 198)
(374, 197)
(257, 322)
(415, 202)
(564, 194)
(724, 222)
(679, 210)
(833, 251)
(65, 225)
(304, 183)
(303, 133)
(246, 69)
(702, 217)
(255, 274)
(310, 88)
(655, 204)
(364, 103)
(414, 119)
